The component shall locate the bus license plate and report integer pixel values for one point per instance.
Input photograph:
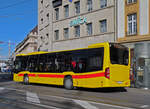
(119, 82)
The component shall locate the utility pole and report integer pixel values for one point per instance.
(9, 49)
(9, 43)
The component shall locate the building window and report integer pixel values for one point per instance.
(42, 2)
(89, 5)
(41, 20)
(131, 1)
(47, 16)
(57, 13)
(77, 7)
(66, 33)
(103, 3)
(103, 26)
(89, 29)
(77, 31)
(66, 11)
(56, 35)
(47, 35)
(132, 24)
(47, 39)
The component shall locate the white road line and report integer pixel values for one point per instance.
(32, 97)
(36, 99)
(1, 89)
(44, 106)
(85, 104)
(113, 106)
(144, 106)
(15, 89)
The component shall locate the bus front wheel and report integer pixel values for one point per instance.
(68, 83)
(26, 79)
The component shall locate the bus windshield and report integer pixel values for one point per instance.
(20, 64)
(119, 54)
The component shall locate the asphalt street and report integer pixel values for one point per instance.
(36, 96)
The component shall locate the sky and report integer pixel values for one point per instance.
(17, 19)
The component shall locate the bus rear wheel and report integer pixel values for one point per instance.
(26, 79)
(68, 83)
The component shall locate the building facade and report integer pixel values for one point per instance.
(133, 21)
(70, 24)
(29, 44)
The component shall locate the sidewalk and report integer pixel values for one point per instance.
(6, 76)
(141, 90)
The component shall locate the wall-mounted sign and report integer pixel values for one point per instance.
(70, 0)
(78, 21)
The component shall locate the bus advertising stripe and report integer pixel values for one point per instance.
(50, 76)
(20, 74)
(32, 75)
(73, 76)
(62, 76)
(88, 76)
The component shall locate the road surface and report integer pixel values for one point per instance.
(35, 96)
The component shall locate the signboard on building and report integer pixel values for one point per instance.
(70, 0)
(78, 21)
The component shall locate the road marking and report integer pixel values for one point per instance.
(36, 100)
(44, 106)
(144, 106)
(85, 104)
(15, 89)
(1, 89)
(113, 106)
(32, 97)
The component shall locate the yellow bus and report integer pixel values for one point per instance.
(99, 65)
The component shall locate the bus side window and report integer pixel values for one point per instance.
(67, 62)
(41, 63)
(50, 63)
(31, 63)
(60, 62)
(81, 65)
(95, 59)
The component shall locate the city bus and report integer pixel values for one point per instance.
(101, 65)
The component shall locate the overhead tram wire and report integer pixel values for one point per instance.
(15, 4)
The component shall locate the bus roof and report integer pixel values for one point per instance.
(21, 54)
(44, 52)
(98, 45)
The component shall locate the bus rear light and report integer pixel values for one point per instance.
(107, 73)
